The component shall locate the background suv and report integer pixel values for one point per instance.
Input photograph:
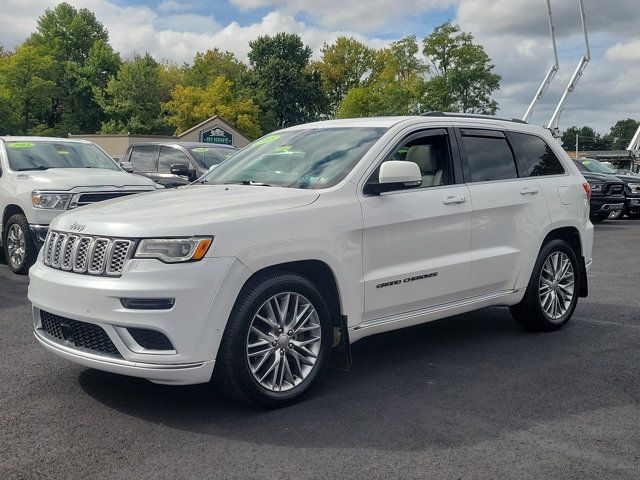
(175, 164)
(310, 239)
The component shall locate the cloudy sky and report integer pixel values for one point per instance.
(514, 32)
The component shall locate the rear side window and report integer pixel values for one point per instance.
(489, 158)
(144, 158)
(171, 156)
(535, 155)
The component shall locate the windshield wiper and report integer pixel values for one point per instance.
(250, 182)
(39, 167)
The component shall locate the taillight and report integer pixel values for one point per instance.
(587, 189)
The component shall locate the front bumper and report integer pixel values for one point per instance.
(190, 324)
(606, 204)
(632, 203)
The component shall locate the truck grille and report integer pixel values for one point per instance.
(93, 197)
(86, 254)
(80, 334)
(615, 189)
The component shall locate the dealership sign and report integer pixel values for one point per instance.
(217, 135)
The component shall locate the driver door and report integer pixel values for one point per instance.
(417, 241)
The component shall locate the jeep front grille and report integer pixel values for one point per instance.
(87, 254)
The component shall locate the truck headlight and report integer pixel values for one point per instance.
(635, 187)
(174, 250)
(596, 187)
(51, 200)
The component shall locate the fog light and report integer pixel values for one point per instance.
(148, 303)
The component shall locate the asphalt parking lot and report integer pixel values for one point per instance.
(468, 397)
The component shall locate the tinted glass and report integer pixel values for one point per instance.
(536, 156)
(210, 156)
(580, 166)
(171, 156)
(312, 158)
(596, 167)
(45, 155)
(144, 158)
(489, 158)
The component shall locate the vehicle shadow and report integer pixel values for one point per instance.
(454, 382)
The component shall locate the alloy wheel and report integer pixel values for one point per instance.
(283, 342)
(556, 285)
(16, 246)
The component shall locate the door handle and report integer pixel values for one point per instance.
(529, 191)
(454, 200)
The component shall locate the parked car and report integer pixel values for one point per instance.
(177, 163)
(631, 184)
(607, 193)
(312, 238)
(41, 178)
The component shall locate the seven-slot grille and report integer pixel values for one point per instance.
(615, 189)
(86, 254)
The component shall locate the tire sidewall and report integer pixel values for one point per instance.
(552, 247)
(30, 248)
(247, 307)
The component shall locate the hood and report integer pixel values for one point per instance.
(69, 178)
(628, 178)
(600, 177)
(180, 212)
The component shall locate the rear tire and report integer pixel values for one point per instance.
(552, 293)
(266, 357)
(19, 249)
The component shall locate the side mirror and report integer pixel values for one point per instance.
(181, 169)
(127, 166)
(396, 175)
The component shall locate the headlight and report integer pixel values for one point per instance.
(634, 186)
(596, 187)
(50, 200)
(174, 250)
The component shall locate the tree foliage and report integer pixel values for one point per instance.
(132, 99)
(622, 133)
(588, 139)
(210, 65)
(190, 105)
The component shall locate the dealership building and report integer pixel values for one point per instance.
(213, 130)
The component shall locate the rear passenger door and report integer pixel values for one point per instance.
(509, 210)
(145, 160)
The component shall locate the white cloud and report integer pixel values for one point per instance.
(626, 52)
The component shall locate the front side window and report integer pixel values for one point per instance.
(536, 156)
(171, 156)
(489, 158)
(431, 153)
(144, 158)
(312, 158)
(43, 155)
(210, 156)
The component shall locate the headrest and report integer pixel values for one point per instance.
(424, 156)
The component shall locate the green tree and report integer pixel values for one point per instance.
(281, 80)
(394, 87)
(85, 61)
(132, 99)
(344, 65)
(622, 133)
(191, 105)
(25, 84)
(462, 73)
(588, 139)
(210, 65)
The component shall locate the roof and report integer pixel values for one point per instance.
(9, 138)
(227, 125)
(184, 144)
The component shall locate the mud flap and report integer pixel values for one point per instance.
(341, 353)
(584, 281)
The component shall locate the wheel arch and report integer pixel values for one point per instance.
(9, 211)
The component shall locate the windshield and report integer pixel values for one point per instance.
(596, 166)
(210, 156)
(45, 155)
(313, 158)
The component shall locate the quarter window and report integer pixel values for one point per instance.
(489, 158)
(171, 156)
(535, 155)
(144, 158)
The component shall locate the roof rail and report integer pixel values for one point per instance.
(471, 115)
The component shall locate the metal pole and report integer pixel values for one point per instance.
(576, 146)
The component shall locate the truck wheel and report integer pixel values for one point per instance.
(277, 341)
(19, 249)
(598, 217)
(552, 293)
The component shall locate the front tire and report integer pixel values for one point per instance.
(277, 341)
(19, 249)
(552, 293)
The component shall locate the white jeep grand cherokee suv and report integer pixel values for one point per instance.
(42, 177)
(310, 239)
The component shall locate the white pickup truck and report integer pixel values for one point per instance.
(43, 177)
